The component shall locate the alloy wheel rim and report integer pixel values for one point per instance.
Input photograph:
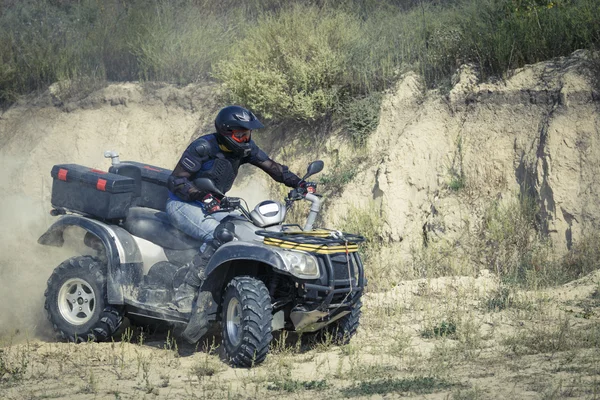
(76, 301)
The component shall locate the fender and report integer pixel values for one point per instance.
(218, 266)
(123, 257)
(237, 250)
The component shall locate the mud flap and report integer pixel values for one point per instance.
(199, 322)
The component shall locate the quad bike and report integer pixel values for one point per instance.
(270, 277)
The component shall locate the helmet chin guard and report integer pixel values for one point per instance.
(235, 118)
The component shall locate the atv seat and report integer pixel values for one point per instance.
(153, 225)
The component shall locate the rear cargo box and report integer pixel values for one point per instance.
(154, 192)
(90, 191)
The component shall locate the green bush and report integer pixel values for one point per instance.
(456, 169)
(290, 64)
(361, 117)
(516, 249)
(339, 177)
(443, 329)
(583, 257)
(367, 222)
(593, 66)
(46, 43)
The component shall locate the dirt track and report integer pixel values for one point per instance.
(423, 339)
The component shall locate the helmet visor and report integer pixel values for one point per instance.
(241, 135)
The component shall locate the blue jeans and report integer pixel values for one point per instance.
(190, 219)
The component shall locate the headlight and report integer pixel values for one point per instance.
(300, 264)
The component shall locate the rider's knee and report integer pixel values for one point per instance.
(224, 233)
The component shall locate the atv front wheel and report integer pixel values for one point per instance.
(76, 301)
(246, 321)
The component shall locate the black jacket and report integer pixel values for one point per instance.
(205, 158)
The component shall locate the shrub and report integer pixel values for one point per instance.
(512, 238)
(515, 248)
(340, 176)
(298, 59)
(367, 222)
(361, 117)
(443, 329)
(593, 66)
(289, 64)
(551, 338)
(417, 385)
(501, 35)
(456, 170)
(46, 43)
(583, 257)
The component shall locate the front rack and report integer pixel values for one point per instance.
(317, 236)
(322, 241)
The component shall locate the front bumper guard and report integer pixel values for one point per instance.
(346, 292)
(326, 310)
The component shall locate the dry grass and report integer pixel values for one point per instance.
(453, 337)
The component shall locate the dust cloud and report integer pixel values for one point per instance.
(25, 265)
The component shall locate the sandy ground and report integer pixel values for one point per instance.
(445, 338)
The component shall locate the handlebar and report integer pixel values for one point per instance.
(302, 194)
(235, 203)
(314, 210)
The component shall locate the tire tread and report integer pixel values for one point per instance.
(257, 317)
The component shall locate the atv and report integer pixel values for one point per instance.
(272, 276)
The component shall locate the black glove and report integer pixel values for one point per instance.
(230, 202)
(308, 187)
(211, 204)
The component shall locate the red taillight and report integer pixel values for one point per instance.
(62, 174)
(101, 185)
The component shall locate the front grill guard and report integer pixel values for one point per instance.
(339, 286)
(334, 287)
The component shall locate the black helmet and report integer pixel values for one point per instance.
(233, 118)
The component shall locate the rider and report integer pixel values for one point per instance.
(216, 156)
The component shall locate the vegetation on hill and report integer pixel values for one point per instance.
(285, 59)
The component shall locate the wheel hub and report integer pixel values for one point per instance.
(76, 301)
(234, 324)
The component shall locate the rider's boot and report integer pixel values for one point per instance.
(205, 305)
(185, 294)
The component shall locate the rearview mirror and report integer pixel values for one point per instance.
(207, 185)
(313, 168)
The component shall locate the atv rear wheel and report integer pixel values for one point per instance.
(246, 321)
(76, 301)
